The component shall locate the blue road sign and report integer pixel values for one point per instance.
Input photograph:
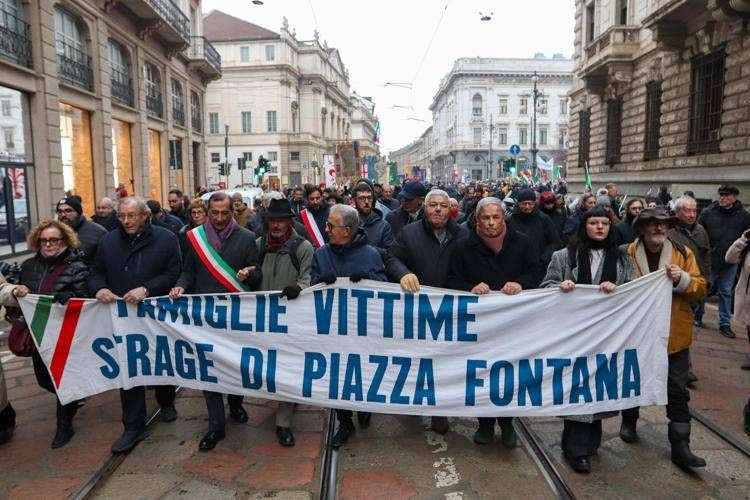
(515, 149)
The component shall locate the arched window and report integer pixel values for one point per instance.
(476, 105)
(74, 63)
(120, 80)
(152, 78)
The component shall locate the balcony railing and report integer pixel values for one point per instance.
(154, 103)
(15, 44)
(200, 48)
(196, 122)
(122, 87)
(616, 41)
(172, 14)
(178, 113)
(74, 66)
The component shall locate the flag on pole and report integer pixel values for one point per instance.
(586, 174)
(376, 137)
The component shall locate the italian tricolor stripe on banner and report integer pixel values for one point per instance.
(61, 328)
(220, 270)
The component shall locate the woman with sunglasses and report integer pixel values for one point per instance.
(56, 269)
(592, 258)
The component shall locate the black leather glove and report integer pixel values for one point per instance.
(357, 277)
(291, 292)
(62, 297)
(328, 279)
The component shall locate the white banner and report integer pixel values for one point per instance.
(369, 346)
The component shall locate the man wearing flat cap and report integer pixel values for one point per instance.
(653, 251)
(70, 211)
(412, 197)
(724, 220)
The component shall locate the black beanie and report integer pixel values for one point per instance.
(73, 202)
(526, 195)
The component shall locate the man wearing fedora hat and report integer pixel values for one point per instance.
(285, 260)
(652, 251)
(724, 220)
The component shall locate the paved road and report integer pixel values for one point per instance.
(397, 457)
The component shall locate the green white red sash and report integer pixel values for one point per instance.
(220, 270)
(312, 228)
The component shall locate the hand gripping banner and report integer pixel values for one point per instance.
(372, 347)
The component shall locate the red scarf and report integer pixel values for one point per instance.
(276, 243)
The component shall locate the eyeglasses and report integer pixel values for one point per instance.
(197, 212)
(65, 211)
(331, 226)
(49, 241)
(363, 198)
(123, 216)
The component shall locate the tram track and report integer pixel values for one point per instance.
(111, 464)
(722, 433)
(543, 460)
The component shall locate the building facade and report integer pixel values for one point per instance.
(409, 156)
(661, 95)
(485, 105)
(281, 98)
(94, 93)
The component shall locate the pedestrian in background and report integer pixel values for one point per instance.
(624, 228)
(70, 212)
(724, 220)
(737, 254)
(592, 258)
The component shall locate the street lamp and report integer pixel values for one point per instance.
(536, 94)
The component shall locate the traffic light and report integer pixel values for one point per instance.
(262, 167)
(224, 169)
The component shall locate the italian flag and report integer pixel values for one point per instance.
(220, 270)
(53, 332)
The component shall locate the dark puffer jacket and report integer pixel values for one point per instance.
(108, 222)
(89, 234)
(354, 258)
(72, 281)
(378, 230)
(724, 225)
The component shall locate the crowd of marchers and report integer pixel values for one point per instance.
(478, 238)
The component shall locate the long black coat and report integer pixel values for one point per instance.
(723, 227)
(109, 222)
(473, 263)
(399, 218)
(239, 250)
(417, 250)
(543, 235)
(72, 280)
(151, 259)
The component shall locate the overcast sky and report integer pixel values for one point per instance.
(389, 41)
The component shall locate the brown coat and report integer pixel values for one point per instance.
(690, 289)
(741, 291)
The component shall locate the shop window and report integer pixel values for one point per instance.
(122, 158)
(154, 163)
(78, 166)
